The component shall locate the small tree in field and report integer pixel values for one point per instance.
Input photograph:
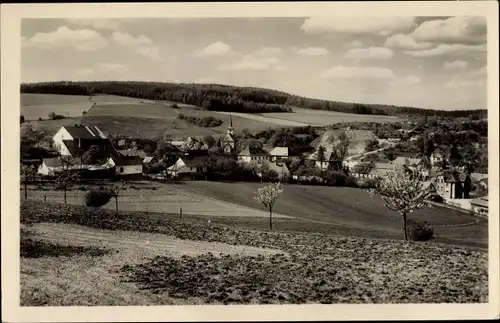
(115, 190)
(65, 177)
(28, 173)
(403, 192)
(268, 195)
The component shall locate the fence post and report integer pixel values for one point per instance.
(45, 196)
(180, 213)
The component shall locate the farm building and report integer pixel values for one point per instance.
(74, 140)
(278, 154)
(250, 154)
(401, 162)
(188, 167)
(436, 158)
(453, 185)
(146, 159)
(126, 166)
(480, 205)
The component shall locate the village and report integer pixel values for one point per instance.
(85, 149)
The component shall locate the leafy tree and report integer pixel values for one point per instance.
(28, 173)
(115, 190)
(65, 177)
(268, 195)
(209, 141)
(52, 115)
(455, 157)
(402, 192)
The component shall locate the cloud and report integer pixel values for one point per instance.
(107, 24)
(251, 62)
(455, 66)
(446, 49)
(141, 45)
(357, 25)
(409, 80)
(454, 30)
(112, 67)
(358, 73)
(85, 71)
(215, 49)
(459, 84)
(369, 53)
(63, 37)
(479, 72)
(356, 44)
(313, 51)
(268, 51)
(406, 42)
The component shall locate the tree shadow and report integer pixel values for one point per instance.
(31, 248)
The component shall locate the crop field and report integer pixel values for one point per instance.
(163, 199)
(76, 256)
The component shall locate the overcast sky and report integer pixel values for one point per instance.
(437, 63)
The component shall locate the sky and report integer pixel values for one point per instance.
(425, 62)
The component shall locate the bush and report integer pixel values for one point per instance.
(175, 106)
(419, 231)
(369, 183)
(40, 119)
(97, 198)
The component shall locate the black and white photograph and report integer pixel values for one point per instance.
(253, 160)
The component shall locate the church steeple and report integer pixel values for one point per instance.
(230, 128)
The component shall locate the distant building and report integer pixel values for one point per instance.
(278, 154)
(250, 154)
(480, 205)
(227, 142)
(280, 168)
(436, 158)
(188, 167)
(453, 185)
(74, 140)
(401, 162)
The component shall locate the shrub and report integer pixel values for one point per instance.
(436, 198)
(419, 231)
(175, 106)
(368, 183)
(40, 119)
(97, 198)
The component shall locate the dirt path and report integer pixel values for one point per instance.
(136, 242)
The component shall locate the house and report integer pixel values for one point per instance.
(409, 162)
(188, 167)
(192, 143)
(329, 161)
(480, 205)
(250, 154)
(138, 153)
(126, 166)
(278, 154)
(280, 168)
(74, 140)
(380, 170)
(453, 185)
(52, 165)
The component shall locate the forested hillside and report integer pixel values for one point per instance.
(218, 97)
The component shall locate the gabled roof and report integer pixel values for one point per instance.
(127, 160)
(482, 201)
(194, 161)
(80, 131)
(279, 151)
(133, 152)
(73, 148)
(253, 151)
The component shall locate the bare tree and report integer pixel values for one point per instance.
(268, 195)
(402, 192)
(65, 177)
(340, 149)
(321, 156)
(28, 173)
(115, 191)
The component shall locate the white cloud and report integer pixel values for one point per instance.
(112, 67)
(446, 49)
(141, 45)
(479, 72)
(369, 53)
(268, 51)
(63, 37)
(109, 24)
(358, 73)
(356, 44)
(215, 49)
(409, 80)
(250, 62)
(455, 65)
(313, 51)
(358, 25)
(85, 71)
(407, 42)
(454, 30)
(458, 84)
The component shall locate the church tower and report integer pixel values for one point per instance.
(230, 128)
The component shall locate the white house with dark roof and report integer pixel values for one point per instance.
(74, 140)
(278, 153)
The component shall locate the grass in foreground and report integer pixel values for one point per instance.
(316, 267)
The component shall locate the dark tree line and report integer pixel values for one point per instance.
(231, 98)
